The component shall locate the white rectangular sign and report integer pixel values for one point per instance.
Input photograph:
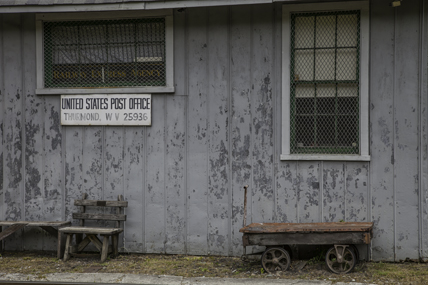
(107, 110)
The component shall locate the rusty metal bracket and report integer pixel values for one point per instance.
(367, 238)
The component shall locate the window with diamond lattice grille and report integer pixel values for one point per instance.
(325, 82)
(104, 53)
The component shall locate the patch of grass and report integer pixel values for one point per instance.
(408, 272)
(40, 264)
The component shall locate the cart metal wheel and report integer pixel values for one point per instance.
(356, 252)
(340, 259)
(275, 259)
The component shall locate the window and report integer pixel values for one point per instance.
(115, 54)
(325, 81)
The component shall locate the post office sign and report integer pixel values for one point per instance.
(106, 110)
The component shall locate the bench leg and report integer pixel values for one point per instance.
(104, 250)
(67, 247)
(115, 238)
(59, 249)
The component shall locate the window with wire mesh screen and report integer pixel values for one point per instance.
(324, 83)
(104, 53)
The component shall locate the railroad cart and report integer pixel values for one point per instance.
(341, 257)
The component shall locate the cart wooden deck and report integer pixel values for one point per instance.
(271, 234)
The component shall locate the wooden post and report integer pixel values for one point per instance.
(104, 249)
(119, 210)
(67, 247)
(115, 239)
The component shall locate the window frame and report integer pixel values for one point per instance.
(363, 6)
(169, 52)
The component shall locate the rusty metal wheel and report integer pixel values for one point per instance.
(340, 259)
(275, 259)
(356, 252)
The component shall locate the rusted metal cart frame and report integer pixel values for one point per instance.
(343, 236)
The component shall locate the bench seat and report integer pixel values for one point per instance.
(91, 230)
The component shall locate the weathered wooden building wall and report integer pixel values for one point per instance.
(183, 176)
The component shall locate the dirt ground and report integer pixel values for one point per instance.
(41, 263)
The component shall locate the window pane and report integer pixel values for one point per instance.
(326, 106)
(324, 64)
(325, 83)
(304, 131)
(347, 64)
(305, 90)
(347, 30)
(326, 130)
(347, 105)
(348, 130)
(105, 53)
(326, 31)
(304, 65)
(304, 32)
(305, 106)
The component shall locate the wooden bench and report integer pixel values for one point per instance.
(50, 227)
(91, 233)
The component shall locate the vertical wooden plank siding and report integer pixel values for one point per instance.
(197, 178)
(357, 202)
(53, 165)
(357, 192)
(240, 85)
(33, 121)
(424, 139)
(134, 170)
(263, 196)
(219, 137)
(333, 192)
(406, 126)
(75, 161)
(113, 161)
(285, 171)
(382, 79)
(13, 124)
(309, 192)
(93, 166)
(286, 193)
(180, 52)
(2, 110)
(175, 174)
(155, 178)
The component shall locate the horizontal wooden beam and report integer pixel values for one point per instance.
(104, 217)
(130, 6)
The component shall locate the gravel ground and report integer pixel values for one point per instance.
(40, 263)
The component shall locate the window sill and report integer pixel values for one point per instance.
(328, 157)
(124, 90)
